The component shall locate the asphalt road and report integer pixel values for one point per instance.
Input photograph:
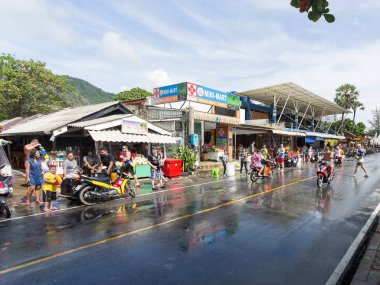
(222, 231)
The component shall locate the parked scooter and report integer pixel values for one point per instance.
(91, 190)
(5, 189)
(338, 160)
(255, 172)
(323, 174)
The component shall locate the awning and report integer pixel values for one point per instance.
(309, 139)
(117, 136)
(288, 133)
(201, 116)
(324, 135)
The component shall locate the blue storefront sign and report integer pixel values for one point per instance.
(168, 91)
(211, 94)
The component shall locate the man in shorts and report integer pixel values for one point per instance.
(328, 156)
(360, 153)
(126, 158)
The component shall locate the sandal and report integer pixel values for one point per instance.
(137, 185)
(55, 208)
(38, 202)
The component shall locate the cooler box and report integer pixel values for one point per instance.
(173, 167)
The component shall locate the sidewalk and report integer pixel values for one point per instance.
(368, 271)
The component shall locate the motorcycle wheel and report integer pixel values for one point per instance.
(319, 182)
(5, 210)
(253, 176)
(83, 196)
(130, 189)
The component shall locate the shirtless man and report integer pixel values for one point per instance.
(28, 147)
(328, 157)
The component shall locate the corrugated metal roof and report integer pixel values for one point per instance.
(201, 116)
(105, 123)
(117, 136)
(47, 123)
(100, 120)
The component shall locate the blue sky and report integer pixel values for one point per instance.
(225, 45)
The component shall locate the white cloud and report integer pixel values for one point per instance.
(115, 48)
(158, 77)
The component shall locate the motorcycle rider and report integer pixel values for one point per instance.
(256, 162)
(108, 160)
(328, 158)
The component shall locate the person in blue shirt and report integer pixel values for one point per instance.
(33, 171)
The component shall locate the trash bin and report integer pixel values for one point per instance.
(172, 167)
(230, 169)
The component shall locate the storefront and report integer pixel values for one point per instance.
(138, 134)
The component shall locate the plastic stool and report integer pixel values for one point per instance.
(215, 172)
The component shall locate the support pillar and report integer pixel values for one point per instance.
(191, 120)
(230, 144)
(295, 120)
(274, 111)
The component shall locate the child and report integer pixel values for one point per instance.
(224, 162)
(49, 189)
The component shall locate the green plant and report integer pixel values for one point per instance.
(315, 9)
(133, 94)
(188, 157)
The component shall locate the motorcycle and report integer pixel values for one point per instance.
(338, 160)
(91, 190)
(291, 162)
(5, 190)
(255, 172)
(323, 174)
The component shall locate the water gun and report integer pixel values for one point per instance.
(4, 142)
(43, 152)
(56, 182)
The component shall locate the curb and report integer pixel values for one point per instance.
(345, 270)
(363, 274)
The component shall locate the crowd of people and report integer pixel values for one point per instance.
(41, 174)
(259, 158)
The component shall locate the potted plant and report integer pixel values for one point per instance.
(188, 158)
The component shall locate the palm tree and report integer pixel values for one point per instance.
(345, 96)
(357, 105)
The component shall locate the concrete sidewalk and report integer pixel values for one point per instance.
(368, 271)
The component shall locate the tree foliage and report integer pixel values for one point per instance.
(28, 88)
(315, 9)
(347, 96)
(133, 94)
(349, 126)
(84, 93)
(375, 122)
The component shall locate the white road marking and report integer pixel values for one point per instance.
(339, 270)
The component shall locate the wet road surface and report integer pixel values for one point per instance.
(279, 231)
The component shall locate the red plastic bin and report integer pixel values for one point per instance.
(173, 167)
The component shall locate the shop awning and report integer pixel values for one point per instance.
(118, 136)
(201, 116)
(288, 133)
(309, 139)
(324, 135)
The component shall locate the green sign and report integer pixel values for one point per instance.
(233, 102)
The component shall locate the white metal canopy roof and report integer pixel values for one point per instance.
(118, 136)
(291, 94)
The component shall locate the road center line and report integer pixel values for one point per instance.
(119, 236)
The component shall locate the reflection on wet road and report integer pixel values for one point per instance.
(227, 231)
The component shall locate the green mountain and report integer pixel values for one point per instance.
(84, 93)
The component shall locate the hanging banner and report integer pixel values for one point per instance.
(136, 128)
